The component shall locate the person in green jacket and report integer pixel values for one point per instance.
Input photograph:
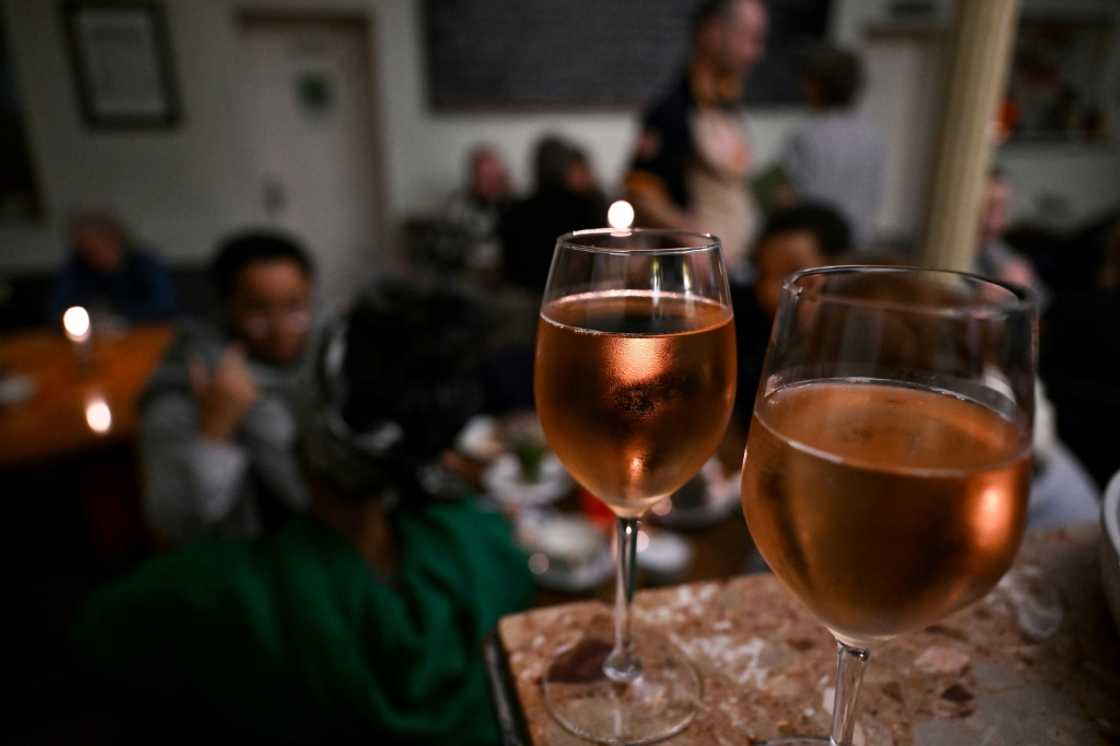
(362, 620)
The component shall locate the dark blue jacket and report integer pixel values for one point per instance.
(140, 290)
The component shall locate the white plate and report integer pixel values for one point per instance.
(480, 439)
(665, 553)
(1110, 546)
(505, 484)
(579, 579)
(566, 552)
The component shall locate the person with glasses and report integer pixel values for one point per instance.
(217, 429)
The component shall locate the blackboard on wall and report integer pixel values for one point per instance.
(590, 54)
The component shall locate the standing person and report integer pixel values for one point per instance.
(217, 432)
(690, 165)
(108, 273)
(566, 197)
(475, 211)
(836, 156)
(362, 620)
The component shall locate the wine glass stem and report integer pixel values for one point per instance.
(850, 664)
(622, 665)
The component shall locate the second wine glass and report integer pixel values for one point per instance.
(887, 470)
(634, 383)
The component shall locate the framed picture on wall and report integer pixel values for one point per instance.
(120, 54)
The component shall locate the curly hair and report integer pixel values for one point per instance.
(391, 385)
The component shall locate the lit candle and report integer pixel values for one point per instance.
(98, 415)
(620, 216)
(75, 322)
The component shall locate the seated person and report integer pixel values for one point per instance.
(793, 239)
(565, 198)
(475, 211)
(1062, 490)
(1079, 358)
(109, 275)
(995, 258)
(363, 618)
(217, 432)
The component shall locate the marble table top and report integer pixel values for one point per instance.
(1036, 662)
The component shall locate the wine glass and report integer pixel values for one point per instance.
(888, 465)
(634, 384)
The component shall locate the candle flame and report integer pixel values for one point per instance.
(98, 416)
(620, 215)
(75, 322)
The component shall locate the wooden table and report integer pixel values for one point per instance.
(52, 422)
(1003, 672)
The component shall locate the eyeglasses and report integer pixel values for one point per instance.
(260, 324)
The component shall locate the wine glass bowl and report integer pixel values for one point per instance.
(640, 426)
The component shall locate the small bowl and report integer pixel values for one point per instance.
(1110, 546)
(664, 554)
(505, 483)
(566, 552)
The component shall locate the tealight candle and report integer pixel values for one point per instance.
(620, 216)
(98, 415)
(75, 322)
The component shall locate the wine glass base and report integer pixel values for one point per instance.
(658, 704)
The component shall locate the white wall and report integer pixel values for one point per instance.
(182, 189)
(1062, 184)
(179, 189)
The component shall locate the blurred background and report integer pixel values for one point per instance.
(191, 192)
(345, 120)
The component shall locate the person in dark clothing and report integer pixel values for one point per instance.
(108, 274)
(1079, 365)
(362, 620)
(793, 239)
(690, 164)
(565, 198)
